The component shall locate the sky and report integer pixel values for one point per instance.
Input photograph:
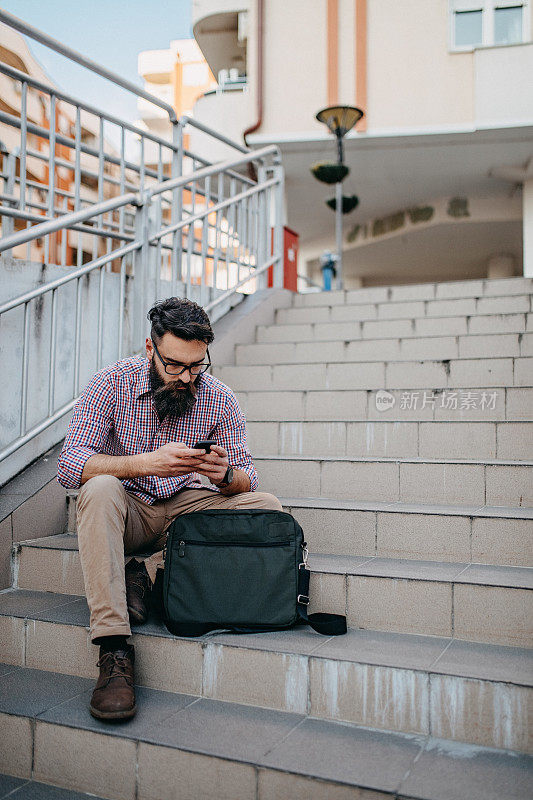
(111, 32)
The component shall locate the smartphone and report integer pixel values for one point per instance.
(205, 444)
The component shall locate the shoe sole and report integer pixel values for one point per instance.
(130, 712)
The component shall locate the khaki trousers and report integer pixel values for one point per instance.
(111, 522)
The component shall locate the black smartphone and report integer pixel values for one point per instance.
(205, 444)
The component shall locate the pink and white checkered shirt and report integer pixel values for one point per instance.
(116, 416)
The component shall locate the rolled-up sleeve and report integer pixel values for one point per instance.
(87, 432)
(230, 433)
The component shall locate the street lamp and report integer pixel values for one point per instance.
(339, 120)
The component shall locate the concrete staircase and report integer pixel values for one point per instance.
(420, 522)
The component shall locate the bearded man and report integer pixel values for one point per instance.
(130, 447)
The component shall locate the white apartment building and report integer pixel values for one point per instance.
(441, 162)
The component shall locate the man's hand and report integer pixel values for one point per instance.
(214, 464)
(174, 459)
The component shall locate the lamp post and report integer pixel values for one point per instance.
(339, 120)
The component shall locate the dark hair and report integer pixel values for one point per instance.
(181, 317)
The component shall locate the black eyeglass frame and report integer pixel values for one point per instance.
(187, 366)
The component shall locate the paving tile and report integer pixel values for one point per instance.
(16, 749)
(43, 791)
(519, 577)
(302, 640)
(340, 565)
(407, 606)
(28, 519)
(153, 707)
(228, 671)
(363, 757)
(97, 767)
(165, 774)
(75, 612)
(5, 552)
(384, 648)
(61, 541)
(456, 771)
(416, 570)
(5, 668)
(370, 695)
(9, 784)
(29, 692)
(274, 785)
(25, 603)
(493, 614)
(12, 640)
(489, 714)
(227, 730)
(489, 662)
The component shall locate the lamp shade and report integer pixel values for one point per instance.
(348, 203)
(330, 173)
(340, 119)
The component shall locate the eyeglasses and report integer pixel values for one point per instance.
(174, 368)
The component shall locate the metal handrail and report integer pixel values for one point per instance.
(23, 77)
(175, 183)
(68, 52)
(74, 217)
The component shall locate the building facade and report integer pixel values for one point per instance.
(441, 162)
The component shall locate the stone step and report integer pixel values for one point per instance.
(447, 439)
(389, 681)
(478, 602)
(412, 405)
(408, 374)
(484, 534)
(25, 789)
(328, 310)
(444, 290)
(406, 480)
(385, 329)
(487, 535)
(423, 347)
(210, 749)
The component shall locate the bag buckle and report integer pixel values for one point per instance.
(305, 554)
(303, 599)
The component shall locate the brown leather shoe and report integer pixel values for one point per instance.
(138, 588)
(114, 693)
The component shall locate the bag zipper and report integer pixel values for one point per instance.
(182, 543)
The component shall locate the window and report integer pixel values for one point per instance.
(508, 25)
(486, 23)
(468, 28)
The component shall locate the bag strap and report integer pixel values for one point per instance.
(327, 624)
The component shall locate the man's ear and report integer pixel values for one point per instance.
(149, 348)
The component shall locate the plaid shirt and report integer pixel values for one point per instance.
(116, 416)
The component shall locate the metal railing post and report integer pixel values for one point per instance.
(177, 207)
(279, 217)
(264, 225)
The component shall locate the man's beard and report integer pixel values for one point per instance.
(168, 399)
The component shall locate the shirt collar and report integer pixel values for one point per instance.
(143, 380)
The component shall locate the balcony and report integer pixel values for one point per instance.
(220, 29)
(155, 66)
(229, 108)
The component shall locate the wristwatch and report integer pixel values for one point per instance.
(227, 479)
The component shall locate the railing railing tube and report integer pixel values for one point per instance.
(52, 367)
(25, 366)
(23, 143)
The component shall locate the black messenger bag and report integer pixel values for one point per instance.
(239, 570)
